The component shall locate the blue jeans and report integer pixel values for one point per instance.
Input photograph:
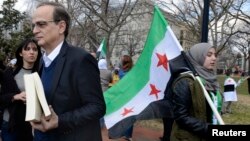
(6, 134)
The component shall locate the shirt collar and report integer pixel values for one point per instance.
(49, 58)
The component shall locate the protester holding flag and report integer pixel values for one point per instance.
(192, 112)
(230, 94)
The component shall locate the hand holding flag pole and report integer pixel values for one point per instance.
(210, 102)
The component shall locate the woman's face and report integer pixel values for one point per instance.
(210, 60)
(29, 53)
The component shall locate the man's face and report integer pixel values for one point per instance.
(45, 29)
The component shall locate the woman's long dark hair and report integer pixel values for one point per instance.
(24, 45)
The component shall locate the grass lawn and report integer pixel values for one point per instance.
(240, 109)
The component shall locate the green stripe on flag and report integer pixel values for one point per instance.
(138, 77)
(102, 50)
(104, 47)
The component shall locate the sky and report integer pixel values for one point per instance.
(20, 5)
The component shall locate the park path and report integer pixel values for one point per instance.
(140, 133)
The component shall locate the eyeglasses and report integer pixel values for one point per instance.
(41, 24)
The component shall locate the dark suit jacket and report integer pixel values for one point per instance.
(76, 96)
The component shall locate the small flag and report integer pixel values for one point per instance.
(133, 97)
(102, 50)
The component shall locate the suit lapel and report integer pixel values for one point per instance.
(58, 69)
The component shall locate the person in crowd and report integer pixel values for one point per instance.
(71, 81)
(167, 128)
(13, 97)
(2, 68)
(126, 65)
(230, 94)
(115, 77)
(192, 113)
(11, 63)
(111, 66)
(106, 78)
(105, 74)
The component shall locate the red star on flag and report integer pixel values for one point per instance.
(127, 111)
(154, 91)
(163, 60)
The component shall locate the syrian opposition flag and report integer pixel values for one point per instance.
(102, 50)
(133, 97)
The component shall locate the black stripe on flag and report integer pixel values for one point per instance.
(155, 110)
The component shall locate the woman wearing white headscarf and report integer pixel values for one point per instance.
(191, 110)
(105, 74)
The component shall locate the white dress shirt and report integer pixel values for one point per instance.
(49, 58)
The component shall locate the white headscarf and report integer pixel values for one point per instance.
(102, 64)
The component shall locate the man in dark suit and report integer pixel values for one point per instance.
(70, 78)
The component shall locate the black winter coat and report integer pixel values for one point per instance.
(17, 109)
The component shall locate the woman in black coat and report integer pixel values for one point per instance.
(13, 97)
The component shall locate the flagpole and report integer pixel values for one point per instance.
(210, 102)
(204, 38)
(204, 32)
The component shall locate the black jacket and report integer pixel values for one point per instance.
(17, 109)
(185, 110)
(76, 96)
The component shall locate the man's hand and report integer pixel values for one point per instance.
(46, 123)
